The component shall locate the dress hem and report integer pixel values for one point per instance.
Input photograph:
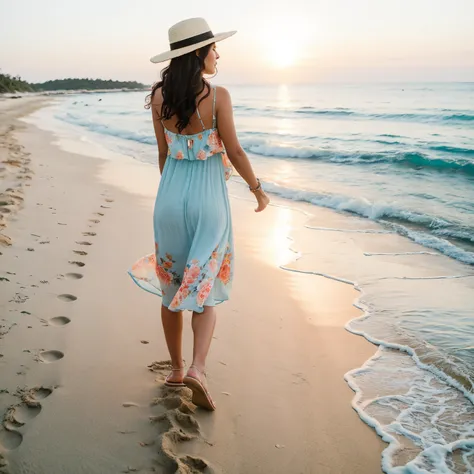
(196, 308)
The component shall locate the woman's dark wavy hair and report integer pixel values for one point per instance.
(181, 83)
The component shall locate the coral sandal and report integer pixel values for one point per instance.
(201, 396)
(174, 384)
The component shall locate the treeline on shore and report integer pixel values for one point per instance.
(14, 84)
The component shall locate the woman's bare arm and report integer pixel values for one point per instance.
(235, 152)
(160, 134)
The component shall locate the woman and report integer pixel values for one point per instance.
(192, 266)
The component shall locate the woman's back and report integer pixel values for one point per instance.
(202, 117)
(199, 140)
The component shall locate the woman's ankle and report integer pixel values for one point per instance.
(177, 364)
(199, 366)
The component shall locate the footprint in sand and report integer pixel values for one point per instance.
(59, 321)
(195, 464)
(101, 214)
(105, 207)
(74, 276)
(39, 393)
(78, 264)
(80, 252)
(177, 424)
(50, 356)
(94, 221)
(89, 234)
(84, 243)
(19, 415)
(109, 200)
(67, 298)
(10, 439)
(23, 413)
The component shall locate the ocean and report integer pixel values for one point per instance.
(395, 164)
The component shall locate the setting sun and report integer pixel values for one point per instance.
(281, 48)
(281, 54)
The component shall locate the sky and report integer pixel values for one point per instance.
(278, 41)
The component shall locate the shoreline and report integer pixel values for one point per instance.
(62, 92)
(265, 365)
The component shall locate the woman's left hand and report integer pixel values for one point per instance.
(262, 200)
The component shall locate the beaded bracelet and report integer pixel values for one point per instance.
(257, 188)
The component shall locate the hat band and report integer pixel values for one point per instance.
(192, 40)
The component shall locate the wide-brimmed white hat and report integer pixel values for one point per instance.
(189, 35)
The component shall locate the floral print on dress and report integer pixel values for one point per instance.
(213, 261)
(191, 289)
(204, 289)
(164, 270)
(225, 272)
(228, 168)
(197, 280)
(147, 261)
(199, 146)
(215, 143)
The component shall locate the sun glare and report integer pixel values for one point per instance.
(282, 54)
(282, 48)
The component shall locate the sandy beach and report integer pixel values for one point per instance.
(82, 354)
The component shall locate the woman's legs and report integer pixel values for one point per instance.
(203, 328)
(173, 328)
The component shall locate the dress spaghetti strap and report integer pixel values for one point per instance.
(200, 119)
(214, 109)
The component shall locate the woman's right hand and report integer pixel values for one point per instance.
(262, 200)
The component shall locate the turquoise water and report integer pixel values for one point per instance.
(397, 153)
(396, 162)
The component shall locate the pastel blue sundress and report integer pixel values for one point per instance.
(193, 262)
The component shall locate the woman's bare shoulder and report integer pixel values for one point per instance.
(223, 98)
(222, 91)
(157, 97)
